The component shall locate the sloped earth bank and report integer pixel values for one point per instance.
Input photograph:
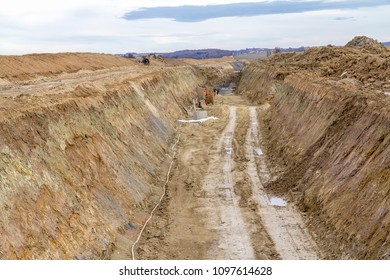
(216, 206)
(328, 139)
(84, 147)
(84, 153)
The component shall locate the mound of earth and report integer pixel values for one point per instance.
(366, 43)
(363, 64)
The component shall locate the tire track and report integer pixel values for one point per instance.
(221, 204)
(284, 224)
(261, 242)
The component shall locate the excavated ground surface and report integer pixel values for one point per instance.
(298, 168)
(84, 153)
(84, 143)
(216, 206)
(327, 135)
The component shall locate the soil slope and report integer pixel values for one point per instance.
(328, 134)
(83, 141)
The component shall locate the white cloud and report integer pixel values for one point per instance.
(97, 26)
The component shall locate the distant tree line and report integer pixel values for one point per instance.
(213, 53)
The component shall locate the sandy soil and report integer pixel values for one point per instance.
(327, 136)
(84, 142)
(216, 207)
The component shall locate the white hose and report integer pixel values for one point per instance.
(159, 202)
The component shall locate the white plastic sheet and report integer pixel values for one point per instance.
(200, 120)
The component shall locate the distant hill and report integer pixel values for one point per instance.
(217, 53)
(198, 54)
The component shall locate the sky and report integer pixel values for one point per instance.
(120, 26)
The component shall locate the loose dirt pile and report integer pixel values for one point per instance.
(363, 64)
(366, 43)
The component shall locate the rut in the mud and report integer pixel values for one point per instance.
(283, 221)
(221, 204)
(216, 199)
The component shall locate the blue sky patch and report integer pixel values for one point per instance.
(202, 13)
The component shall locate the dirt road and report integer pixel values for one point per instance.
(216, 206)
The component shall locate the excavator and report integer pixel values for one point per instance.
(145, 61)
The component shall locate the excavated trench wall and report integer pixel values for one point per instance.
(334, 146)
(75, 173)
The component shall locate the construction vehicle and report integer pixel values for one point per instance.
(145, 61)
(206, 95)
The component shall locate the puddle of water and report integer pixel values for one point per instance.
(259, 151)
(229, 151)
(277, 201)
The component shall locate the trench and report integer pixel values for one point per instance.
(226, 197)
(285, 168)
(285, 200)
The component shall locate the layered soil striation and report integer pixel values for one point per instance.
(83, 142)
(328, 133)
